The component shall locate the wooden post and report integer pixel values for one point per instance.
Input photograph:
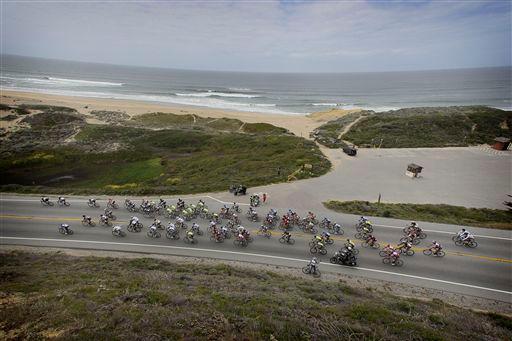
(378, 201)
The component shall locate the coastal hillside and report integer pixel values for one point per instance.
(419, 127)
(56, 149)
(56, 295)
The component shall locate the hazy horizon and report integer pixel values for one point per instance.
(270, 36)
(261, 72)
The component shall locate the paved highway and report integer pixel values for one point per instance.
(485, 271)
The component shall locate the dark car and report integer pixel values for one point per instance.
(352, 151)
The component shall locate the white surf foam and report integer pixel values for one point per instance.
(215, 103)
(214, 93)
(54, 81)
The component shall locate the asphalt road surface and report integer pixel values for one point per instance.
(484, 272)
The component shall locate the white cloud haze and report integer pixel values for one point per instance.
(324, 36)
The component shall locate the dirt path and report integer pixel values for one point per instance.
(347, 128)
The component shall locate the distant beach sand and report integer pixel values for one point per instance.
(300, 125)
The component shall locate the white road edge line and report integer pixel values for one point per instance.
(445, 232)
(242, 204)
(257, 255)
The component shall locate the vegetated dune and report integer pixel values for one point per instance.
(55, 149)
(420, 127)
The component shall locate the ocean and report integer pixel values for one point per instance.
(277, 93)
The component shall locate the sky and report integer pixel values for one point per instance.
(273, 36)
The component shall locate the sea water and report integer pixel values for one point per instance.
(278, 93)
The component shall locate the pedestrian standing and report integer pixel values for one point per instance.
(264, 197)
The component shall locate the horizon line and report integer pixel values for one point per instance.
(245, 71)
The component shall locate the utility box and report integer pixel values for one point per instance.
(501, 143)
(413, 170)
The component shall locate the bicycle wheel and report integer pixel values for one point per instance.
(399, 262)
(359, 235)
(333, 260)
(306, 270)
(323, 252)
(427, 252)
(472, 244)
(383, 253)
(291, 241)
(386, 260)
(313, 250)
(441, 253)
(282, 240)
(364, 244)
(409, 252)
(422, 235)
(316, 273)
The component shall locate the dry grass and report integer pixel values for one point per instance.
(53, 295)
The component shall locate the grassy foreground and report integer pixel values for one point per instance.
(420, 127)
(53, 295)
(480, 217)
(56, 150)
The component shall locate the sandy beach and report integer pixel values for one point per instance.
(300, 125)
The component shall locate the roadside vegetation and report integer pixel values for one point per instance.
(421, 127)
(56, 150)
(53, 295)
(457, 215)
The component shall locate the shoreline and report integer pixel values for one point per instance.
(300, 125)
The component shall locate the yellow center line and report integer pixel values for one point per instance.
(298, 233)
